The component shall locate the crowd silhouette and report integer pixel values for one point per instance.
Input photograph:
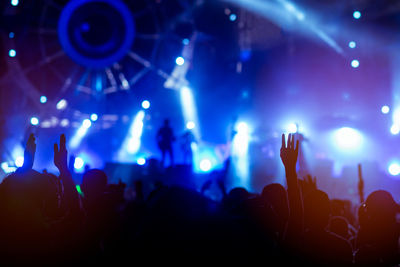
(44, 220)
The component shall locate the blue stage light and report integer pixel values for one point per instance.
(348, 138)
(146, 104)
(11, 35)
(394, 168)
(43, 99)
(232, 17)
(94, 117)
(355, 63)
(14, 2)
(185, 41)
(292, 128)
(352, 44)
(12, 53)
(62, 104)
(356, 14)
(190, 125)
(78, 163)
(34, 121)
(385, 109)
(19, 161)
(180, 61)
(395, 129)
(141, 161)
(205, 165)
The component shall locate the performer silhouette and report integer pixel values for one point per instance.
(165, 138)
(186, 145)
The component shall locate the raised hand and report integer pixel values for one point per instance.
(289, 153)
(360, 184)
(29, 153)
(310, 183)
(60, 155)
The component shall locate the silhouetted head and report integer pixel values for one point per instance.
(316, 210)
(94, 183)
(166, 122)
(339, 226)
(276, 196)
(380, 206)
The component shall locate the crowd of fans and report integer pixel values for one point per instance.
(44, 220)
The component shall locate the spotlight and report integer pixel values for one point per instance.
(352, 44)
(86, 123)
(34, 121)
(78, 163)
(135, 133)
(185, 41)
(141, 161)
(94, 117)
(394, 129)
(11, 35)
(292, 128)
(348, 138)
(14, 2)
(146, 104)
(190, 125)
(12, 53)
(355, 63)
(180, 61)
(394, 169)
(357, 14)
(205, 165)
(19, 161)
(62, 104)
(385, 109)
(43, 99)
(232, 17)
(64, 122)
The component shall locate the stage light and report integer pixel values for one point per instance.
(190, 125)
(94, 117)
(232, 17)
(180, 61)
(352, 44)
(357, 14)
(292, 128)
(185, 41)
(189, 109)
(348, 138)
(141, 161)
(64, 122)
(385, 109)
(394, 169)
(19, 161)
(133, 142)
(78, 163)
(355, 63)
(43, 99)
(205, 165)
(395, 129)
(62, 104)
(11, 35)
(146, 104)
(34, 121)
(12, 53)
(80, 133)
(86, 123)
(14, 2)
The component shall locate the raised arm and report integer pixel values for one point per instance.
(29, 154)
(360, 184)
(289, 153)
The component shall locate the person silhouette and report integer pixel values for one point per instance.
(187, 139)
(165, 138)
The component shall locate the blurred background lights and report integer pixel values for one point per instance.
(141, 161)
(34, 121)
(385, 109)
(355, 63)
(86, 123)
(352, 44)
(190, 125)
(12, 53)
(43, 99)
(19, 161)
(292, 128)
(94, 117)
(232, 17)
(394, 169)
(78, 163)
(205, 165)
(14, 2)
(348, 138)
(356, 14)
(180, 61)
(395, 129)
(146, 104)
(62, 104)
